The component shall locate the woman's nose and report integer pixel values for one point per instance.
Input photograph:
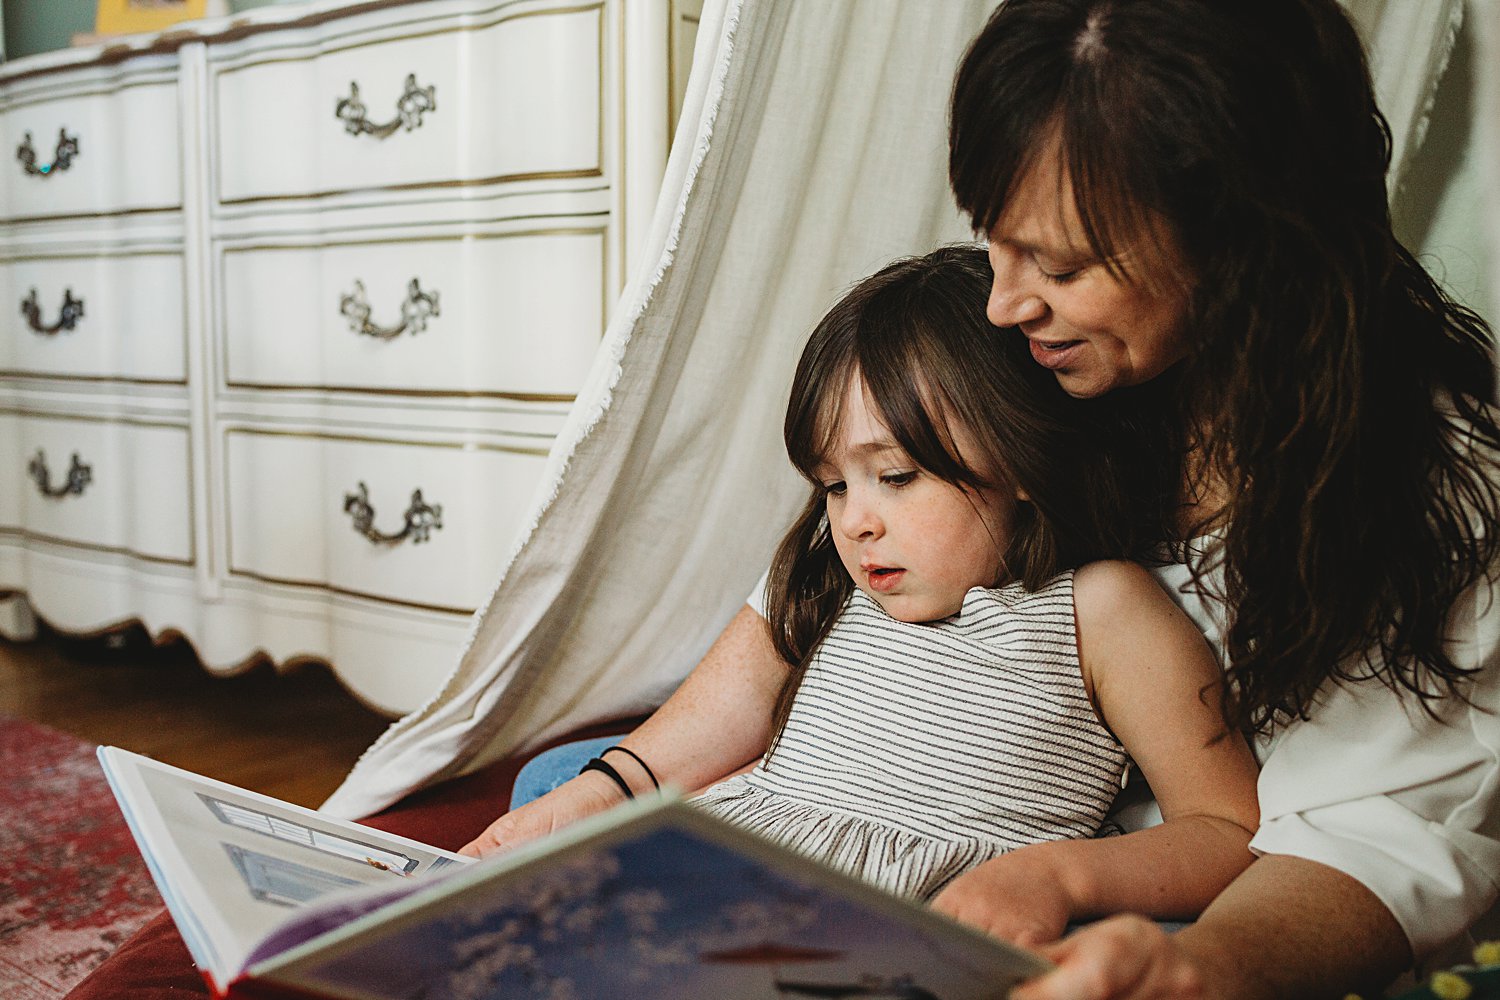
(1011, 304)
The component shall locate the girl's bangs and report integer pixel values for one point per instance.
(912, 405)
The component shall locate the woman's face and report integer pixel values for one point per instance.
(1094, 331)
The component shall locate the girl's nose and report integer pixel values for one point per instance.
(859, 520)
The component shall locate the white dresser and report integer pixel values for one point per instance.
(296, 304)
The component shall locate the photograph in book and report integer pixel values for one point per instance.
(654, 898)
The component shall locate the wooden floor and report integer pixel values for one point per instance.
(292, 735)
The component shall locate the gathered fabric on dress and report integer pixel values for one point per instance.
(914, 752)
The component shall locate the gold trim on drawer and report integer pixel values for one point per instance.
(368, 439)
(123, 418)
(169, 79)
(49, 376)
(597, 170)
(520, 397)
(36, 536)
(113, 214)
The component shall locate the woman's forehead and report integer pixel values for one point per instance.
(1041, 214)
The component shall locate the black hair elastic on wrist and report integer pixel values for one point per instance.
(637, 758)
(604, 768)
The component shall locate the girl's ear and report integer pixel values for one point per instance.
(1022, 495)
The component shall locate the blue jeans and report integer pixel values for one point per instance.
(551, 768)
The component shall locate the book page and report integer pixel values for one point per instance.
(653, 900)
(233, 865)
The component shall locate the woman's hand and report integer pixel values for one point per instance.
(570, 802)
(1016, 897)
(1121, 958)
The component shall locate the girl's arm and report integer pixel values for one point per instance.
(714, 724)
(1157, 686)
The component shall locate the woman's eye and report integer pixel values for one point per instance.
(898, 478)
(1060, 277)
(834, 489)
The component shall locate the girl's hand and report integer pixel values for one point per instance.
(570, 802)
(1015, 897)
(1121, 958)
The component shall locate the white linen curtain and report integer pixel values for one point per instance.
(1487, 43)
(812, 150)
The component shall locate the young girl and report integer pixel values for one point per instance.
(966, 689)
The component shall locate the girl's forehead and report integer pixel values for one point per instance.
(859, 421)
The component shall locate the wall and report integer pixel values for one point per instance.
(42, 25)
(1441, 211)
(33, 26)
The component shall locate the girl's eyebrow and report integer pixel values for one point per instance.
(875, 445)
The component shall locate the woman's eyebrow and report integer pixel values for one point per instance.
(1062, 253)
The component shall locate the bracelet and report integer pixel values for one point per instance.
(637, 758)
(603, 767)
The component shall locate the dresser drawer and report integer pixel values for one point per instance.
(514, 96)
(92, 154)
(420, 525)
(507, 314)
(99, 484)
(94, 317)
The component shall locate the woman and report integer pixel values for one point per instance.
(1198, 187)
(1205, 182)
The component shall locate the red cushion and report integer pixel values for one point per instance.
(154, 964)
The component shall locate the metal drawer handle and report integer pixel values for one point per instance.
(62, 157)
(414, 102)
(418, 308)
(67, 317)
(421, 518)
(79, 476)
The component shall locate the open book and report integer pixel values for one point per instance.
(654, 898)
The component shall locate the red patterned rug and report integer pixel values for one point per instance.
(73, 885)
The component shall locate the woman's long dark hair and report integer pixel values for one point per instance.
(916, 335)
(1340, 400)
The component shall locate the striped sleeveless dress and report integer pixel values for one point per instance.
(914, 752)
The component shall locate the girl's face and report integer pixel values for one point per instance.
(915, 543)
(1096, 332)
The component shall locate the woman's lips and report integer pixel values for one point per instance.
(883, 578)
(1056, 355)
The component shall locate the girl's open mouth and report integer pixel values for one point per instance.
(885, 578)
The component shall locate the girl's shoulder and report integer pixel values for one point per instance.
(1112, 586)
(1118, 604)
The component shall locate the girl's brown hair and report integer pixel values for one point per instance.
(1337, 397)
(916, 335)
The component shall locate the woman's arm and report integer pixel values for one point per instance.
(715, 723)
(1156, 685)
(1287, 927)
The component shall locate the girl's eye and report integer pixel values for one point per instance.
(898, 479)
(1060, 277)
(834, 489)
